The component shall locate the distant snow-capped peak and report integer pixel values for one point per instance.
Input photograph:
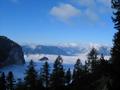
(66, 49)
(68, 45)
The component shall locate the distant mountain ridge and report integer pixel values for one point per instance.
(67, 50)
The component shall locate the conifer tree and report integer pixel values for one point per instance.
(68, 77)
(2, 81)
(10, 81)
(102, 66)
(77, 72)
(57, 80)
(31, 76)
(103, 63)
(115, 52)
(92, 60)
(86, 69)
(40, 84)
(20, 85)
(45, 74)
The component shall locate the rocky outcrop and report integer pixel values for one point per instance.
(44, 59)
(10, 52)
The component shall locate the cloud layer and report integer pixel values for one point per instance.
(64, 12)
(92, 9)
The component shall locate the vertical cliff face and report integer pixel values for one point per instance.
(10, 52)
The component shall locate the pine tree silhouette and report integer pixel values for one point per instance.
(10, 81)
(86, 67)
(77, 74)
(103, 66)
(92, 60)
(115, 52)
(68, 77)
(31, 77)
(45, 74)
(2, 81)
(57, 80)
(20, 85)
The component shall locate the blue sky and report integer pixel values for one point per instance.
(57, 21)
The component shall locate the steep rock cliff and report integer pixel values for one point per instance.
(10, 52)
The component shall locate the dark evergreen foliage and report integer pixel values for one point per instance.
(45, 74)
(10, 81)
(2, 82)
(57, 80)
(77, 72)
(31, 77)
(92, 60)
(68, 77)
(115, 52)
(20, 85)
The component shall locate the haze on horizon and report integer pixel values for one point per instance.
(57, 21)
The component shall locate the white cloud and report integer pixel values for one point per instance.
(64, 12)
(90, 10)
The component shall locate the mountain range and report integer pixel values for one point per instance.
(65, 49)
